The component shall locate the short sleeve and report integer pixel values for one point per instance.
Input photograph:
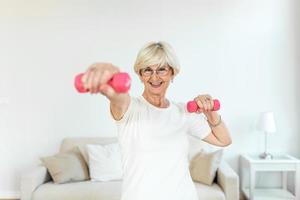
(130, 110)
(197, 125)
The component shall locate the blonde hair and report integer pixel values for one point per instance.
(156, 53)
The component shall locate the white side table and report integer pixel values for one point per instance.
(250, 164)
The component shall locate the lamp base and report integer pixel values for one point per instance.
(266, 156)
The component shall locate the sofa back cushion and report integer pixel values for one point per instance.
(105, 162)
(204, 165)
(66, 167)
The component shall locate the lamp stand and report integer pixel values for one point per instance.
(266, 155)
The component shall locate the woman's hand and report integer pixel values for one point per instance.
(96, 77)
(205, 103)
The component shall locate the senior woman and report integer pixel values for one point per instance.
(152, 129)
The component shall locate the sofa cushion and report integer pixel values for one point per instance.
(209, 192)
(204, 165)
(111, 190)
(86, 190)
(66, 167)
(105, 163)
(84, 153)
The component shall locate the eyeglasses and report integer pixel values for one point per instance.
(161, 71)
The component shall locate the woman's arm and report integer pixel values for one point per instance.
(95, 80)
(220, 135)
(119, 106)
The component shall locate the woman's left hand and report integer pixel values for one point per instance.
(205, 103)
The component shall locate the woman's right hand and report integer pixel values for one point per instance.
(96, 77)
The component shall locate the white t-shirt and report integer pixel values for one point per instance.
(154, 147)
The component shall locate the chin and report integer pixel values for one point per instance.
(159, 92)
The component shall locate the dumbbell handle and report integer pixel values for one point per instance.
(120, 82)
(193, 107)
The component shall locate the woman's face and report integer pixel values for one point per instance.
(156, 79)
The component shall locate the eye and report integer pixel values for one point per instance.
(162, 69)
(148, 70)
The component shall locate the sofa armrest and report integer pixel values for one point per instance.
(31, 179)
(228, 179)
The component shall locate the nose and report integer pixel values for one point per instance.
(154, 76)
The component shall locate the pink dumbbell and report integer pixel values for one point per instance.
(120, 82)
(193, 107)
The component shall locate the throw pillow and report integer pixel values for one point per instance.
(66, 167)
(203, 166)
(105, 162)
(84, 153)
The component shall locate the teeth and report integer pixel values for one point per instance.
(156, 84)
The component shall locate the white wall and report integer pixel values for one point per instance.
(243, 52)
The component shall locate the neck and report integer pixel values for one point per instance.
(157, 100)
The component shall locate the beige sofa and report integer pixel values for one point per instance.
(36, 184)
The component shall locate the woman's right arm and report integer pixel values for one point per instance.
(95, 80)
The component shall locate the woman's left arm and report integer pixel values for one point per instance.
(219, 135)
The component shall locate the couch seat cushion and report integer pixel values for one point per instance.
(206, 192)
(85, 190)
(111, 190)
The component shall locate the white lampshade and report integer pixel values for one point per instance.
(266, 122)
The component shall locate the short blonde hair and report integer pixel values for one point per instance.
(156, 53)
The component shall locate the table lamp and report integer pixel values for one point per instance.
(266, 123)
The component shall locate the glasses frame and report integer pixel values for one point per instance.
(156, 71)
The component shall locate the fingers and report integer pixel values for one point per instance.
(102, 79)
(106, 90)
(96, 81)
(97, 75)
(105, 76)
(200, 106)
(85, 78)
(205, 103)
(92, 81)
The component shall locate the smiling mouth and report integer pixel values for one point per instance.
(156, 84)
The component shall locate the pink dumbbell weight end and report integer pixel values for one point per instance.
(193, 107)
(120, 83)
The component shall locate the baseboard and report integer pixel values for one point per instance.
(10, 195)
